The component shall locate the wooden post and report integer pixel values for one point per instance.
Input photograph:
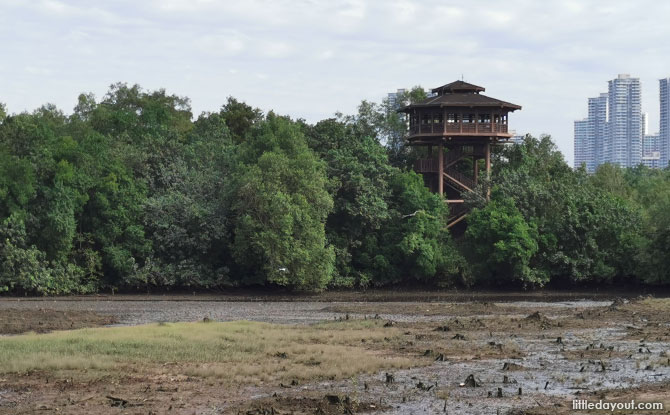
(475, 169)
(488, 169)
(440, 168)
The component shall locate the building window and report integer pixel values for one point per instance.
(451, 118)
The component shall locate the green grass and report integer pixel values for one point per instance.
(240, 351)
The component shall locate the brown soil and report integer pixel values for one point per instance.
(16, 321)
(38, 393)
(371, 295)
(647, 393)
(479, 334)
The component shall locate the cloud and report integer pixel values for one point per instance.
(275, 49)
(325, 55)
(36, 70)
(311, 58)
(229, 44)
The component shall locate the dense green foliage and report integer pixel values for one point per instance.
(134, 193)
(547, 222)
(502, 243)
(278, 208)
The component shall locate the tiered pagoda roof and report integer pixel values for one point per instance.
(461, 94)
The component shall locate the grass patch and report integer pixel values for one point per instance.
(241, 351)
(655, 304)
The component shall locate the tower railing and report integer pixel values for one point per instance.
(459, 179)
(430, 165)
(456, 128)
(469, 128)
(484, 127)
(456, 210)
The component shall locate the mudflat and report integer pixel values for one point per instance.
(395, 353)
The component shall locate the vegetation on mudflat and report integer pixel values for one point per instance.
(234, 352)
(131, 192)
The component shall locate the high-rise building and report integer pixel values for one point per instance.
(591, 135)
(598, 128)
(614, 129)
(517, 138)
(624, 136)
(393, 98)
(664, 133)
(584, 145)
(651, 151)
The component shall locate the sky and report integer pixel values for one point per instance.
(311, 58)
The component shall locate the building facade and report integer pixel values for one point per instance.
(624, 122)
(664, 132)
(614, 129)
(517, 139)
(651, 151)
(394, 104)
(591, 141)
(598, 128)
(584, 146)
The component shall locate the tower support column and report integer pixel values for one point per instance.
(488, 170)
(440, 168)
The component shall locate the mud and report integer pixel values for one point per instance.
(553, 351)
(42, 320)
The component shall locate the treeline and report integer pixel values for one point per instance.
(133, 193)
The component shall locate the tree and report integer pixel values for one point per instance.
(130, 112)
(651, 190)
(358, 173)
(17, 184)
(585, 231)
(240, 117)
(187, 220)
(280, 205)
(388, 126)
(131, 193)
(413, 245)
(611, 178)
(501, 244)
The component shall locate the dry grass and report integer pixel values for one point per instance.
(653, 304)
(234, 352)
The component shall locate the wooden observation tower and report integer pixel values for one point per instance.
(457, 117)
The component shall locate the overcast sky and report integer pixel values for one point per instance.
(311, 58)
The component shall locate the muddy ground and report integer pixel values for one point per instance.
(529, 354)
(41, 320)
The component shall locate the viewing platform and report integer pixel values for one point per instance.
(457, 116)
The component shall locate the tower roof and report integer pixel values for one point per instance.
(458, 86)
(461, 94)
